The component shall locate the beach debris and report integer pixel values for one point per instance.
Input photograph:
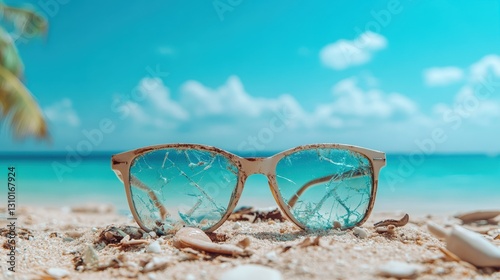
(154, 247)
(113, 234)
(449, 255)
(481, 229)
(90, 259)
(57, 273)
(337, 225)
(195, 238)
(398, 223)
(475, 216)
(244, 243)
(217, 237)
(390, 229)
(236, 225)
(272, 256)
(152, 234)
(361, 233)
(22, 233)
(468, 245)
(253, 215)
(126, 242)
(157, 263)
(309, 241)
(251, 272)
(399, 269)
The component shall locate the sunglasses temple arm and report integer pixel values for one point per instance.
(137, 183)
(357, 173)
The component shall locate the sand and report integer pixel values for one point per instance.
(57, 237)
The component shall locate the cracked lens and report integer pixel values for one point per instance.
(326, 185)
(176, 187)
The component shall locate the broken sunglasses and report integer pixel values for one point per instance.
(318, 186)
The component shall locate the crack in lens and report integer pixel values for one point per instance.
(194, 186)
(325, 185)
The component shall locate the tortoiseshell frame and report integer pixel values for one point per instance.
(121, 163)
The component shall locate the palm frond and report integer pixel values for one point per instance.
(9, 56)
(27, 21)
(20, 108)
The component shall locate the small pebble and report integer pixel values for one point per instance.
(90, 257)
(152, 234)
(399, 269)
(251, 272)
(360, 232)
(154, 247)
(237, 225)
(337, 225)
(272, 256)
(57, 273)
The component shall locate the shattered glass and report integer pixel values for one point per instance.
(325, 185)
(176, 187)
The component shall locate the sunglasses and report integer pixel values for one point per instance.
(318, 186)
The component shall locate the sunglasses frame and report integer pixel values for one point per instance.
(121, 163)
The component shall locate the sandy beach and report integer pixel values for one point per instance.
(54, 243)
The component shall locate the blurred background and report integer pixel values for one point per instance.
(419, 80)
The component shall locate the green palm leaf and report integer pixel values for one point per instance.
(20, 107)
(17, 105)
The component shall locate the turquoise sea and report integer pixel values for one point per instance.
(414, 184)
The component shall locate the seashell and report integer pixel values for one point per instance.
(195, 238)
(468, 245)
(399, 269)
(477, 216)
(57, 273)
(251, 272)
(437, 230)
(154, 247)
(399, 223)
(244, 243)
(473, 248)
(360, 232)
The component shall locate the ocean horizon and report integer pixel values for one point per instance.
(414, 183)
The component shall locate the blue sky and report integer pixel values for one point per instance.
(398, 76)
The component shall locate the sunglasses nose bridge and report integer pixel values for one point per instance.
(257, 166)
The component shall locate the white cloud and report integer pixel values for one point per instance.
(231, 100)
(488, 65)
(153, 105)
(62, 112)
(476, 101)
(344, 53)
(352, 102)
(442, 76)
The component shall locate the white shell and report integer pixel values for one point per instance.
(57, 273)
(399, 269)
(154, 247)
(360, 232)
(437, 230)
(251, 272)
(472, 247)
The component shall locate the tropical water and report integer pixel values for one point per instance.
(414, 184)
